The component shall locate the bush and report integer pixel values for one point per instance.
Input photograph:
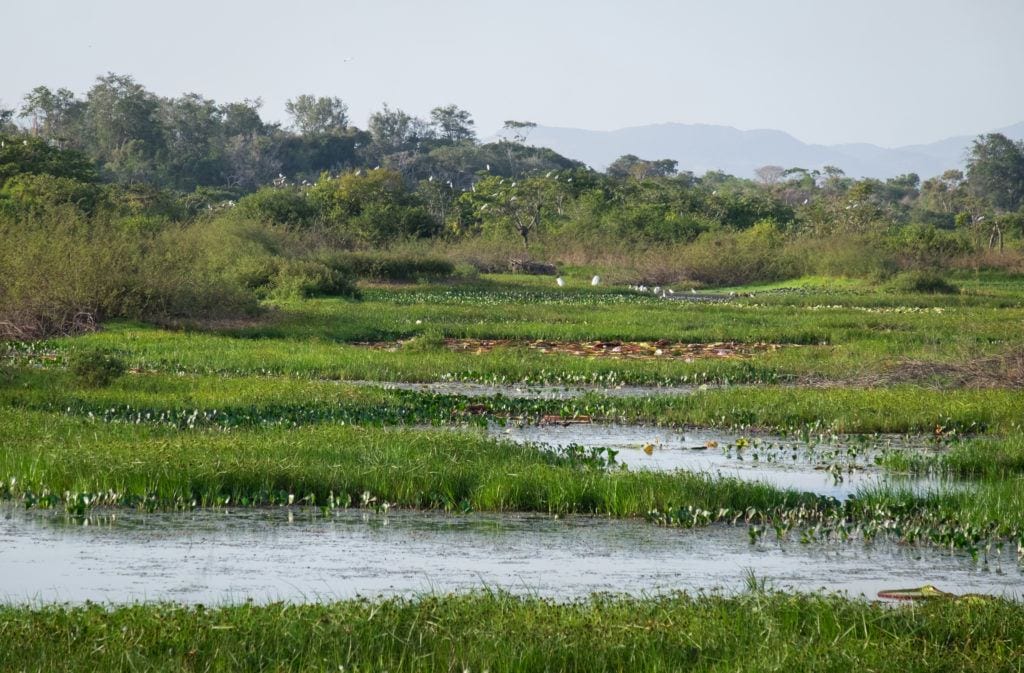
(278, 205)
(429, 340)
(62, 271)
(96, 368)
(298, 278)
(390, 267)
(923, 282)
(736, 258)
(864, 255)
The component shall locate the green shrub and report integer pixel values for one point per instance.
(923, 282)
(391, 267)
(429, 340)
(298, 278)
(63, 270)
(96, 368)
(278, 205)
(723, 257)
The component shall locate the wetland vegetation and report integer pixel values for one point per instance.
(172, 346)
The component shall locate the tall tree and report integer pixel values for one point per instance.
(453, 124)
(995, 171)
(52, 115)
(7, 120)
(313, 115)
(194, 141)
(122, 127)
(242, 117)
(632, 166)
(394, 130)
(770, 175)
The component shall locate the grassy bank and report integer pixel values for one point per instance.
(496, 632)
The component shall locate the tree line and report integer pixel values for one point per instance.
(125, 204)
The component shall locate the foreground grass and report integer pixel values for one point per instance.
(496, 632)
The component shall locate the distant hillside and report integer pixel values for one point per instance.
(703, 147)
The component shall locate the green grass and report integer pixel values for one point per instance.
(236, 401)
(50, 460)
(864, 330)
(985, 457)
(759, 631)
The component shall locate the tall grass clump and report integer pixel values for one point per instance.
(96, 368)
(923, 282)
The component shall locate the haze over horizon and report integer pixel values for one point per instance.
(912, 73)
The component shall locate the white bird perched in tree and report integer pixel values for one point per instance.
(430, 179)
(596, 280)
(488, 168)
(560, 281)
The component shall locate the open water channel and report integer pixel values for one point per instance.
(214, 557)
(217, 556)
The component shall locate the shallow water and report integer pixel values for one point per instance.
(529, 391)
(216, 556)
(835, 468)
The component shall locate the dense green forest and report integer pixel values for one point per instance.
(124, 204)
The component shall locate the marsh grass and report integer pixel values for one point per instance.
(863, 330)
(245, 401)
(54, 461)
(989, 457)
(755, 631)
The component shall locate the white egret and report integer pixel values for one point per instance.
(560, 281)
(596, 280)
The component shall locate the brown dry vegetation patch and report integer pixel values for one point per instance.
(29, 326)
(617, 350)
(1005, 370)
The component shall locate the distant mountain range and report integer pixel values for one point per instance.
(704, 147)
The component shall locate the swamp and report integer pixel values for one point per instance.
(296, 395)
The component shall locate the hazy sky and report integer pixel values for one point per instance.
(890, 72)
